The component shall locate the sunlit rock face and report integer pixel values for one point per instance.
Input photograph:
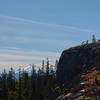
(76, 60)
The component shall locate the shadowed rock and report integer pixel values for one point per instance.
(76, 60)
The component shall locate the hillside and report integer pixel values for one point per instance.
(78, 71)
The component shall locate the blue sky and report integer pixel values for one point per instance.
(33, 30)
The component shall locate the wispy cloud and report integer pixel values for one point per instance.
(24, 31)
(16, 57)
(62, 27)
(28, 52)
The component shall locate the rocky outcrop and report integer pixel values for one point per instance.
(76, 60)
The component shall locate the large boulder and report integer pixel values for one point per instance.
(75, 60)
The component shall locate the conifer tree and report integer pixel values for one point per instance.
(47, 68)
(4, 86)
(33, 83)
(43, 65)
(19, 86)
(25, 78)
(11, 80)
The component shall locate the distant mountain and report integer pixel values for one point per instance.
(27, 69)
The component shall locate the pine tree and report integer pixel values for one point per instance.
(25, 84)
(19, 86)
(4, 86)
(39, 83)
(11, 80)
(33, 84)
(47, 68)
(43, 65)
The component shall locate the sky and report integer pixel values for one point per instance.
(32, 30)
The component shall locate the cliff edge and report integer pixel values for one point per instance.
(76, 60)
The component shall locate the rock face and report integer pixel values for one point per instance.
(75, 60)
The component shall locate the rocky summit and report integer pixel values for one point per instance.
(77, 60)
